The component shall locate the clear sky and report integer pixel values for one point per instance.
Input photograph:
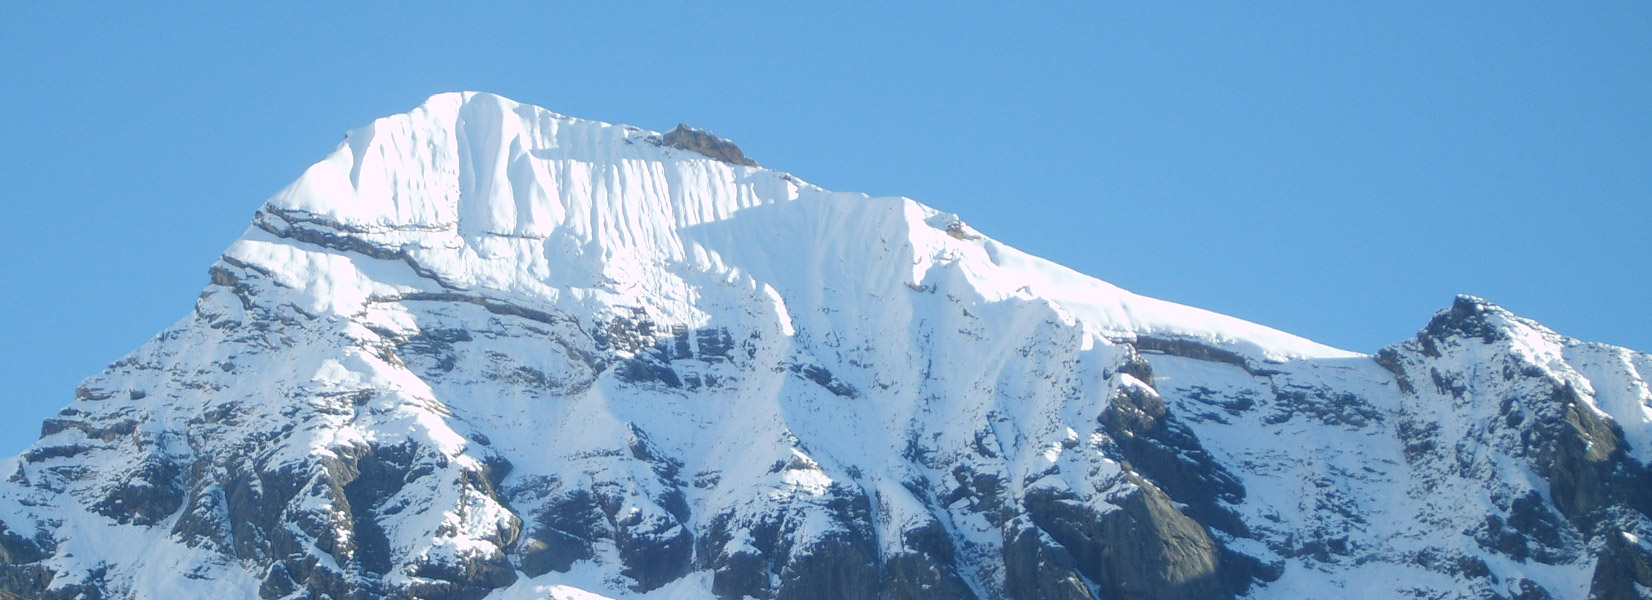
(1337, 170)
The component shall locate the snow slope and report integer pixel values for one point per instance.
(486, 350)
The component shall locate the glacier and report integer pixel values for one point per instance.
(484, 350)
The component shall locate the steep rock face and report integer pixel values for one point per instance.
(1533, 424)
(487, 351)
(1490, 457)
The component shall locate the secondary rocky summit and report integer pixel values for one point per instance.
(483, 350)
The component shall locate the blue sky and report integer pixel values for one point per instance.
(1337, 170)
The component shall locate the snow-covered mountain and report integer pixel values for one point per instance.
(483, 350)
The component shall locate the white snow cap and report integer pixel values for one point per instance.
(489, 193)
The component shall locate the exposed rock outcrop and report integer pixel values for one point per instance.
(707, 143)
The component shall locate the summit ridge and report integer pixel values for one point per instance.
(465, 176)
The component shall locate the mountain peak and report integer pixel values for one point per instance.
(476, 191)
(486, 351)
(1475, 318)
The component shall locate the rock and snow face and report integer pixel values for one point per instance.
(485, 350)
